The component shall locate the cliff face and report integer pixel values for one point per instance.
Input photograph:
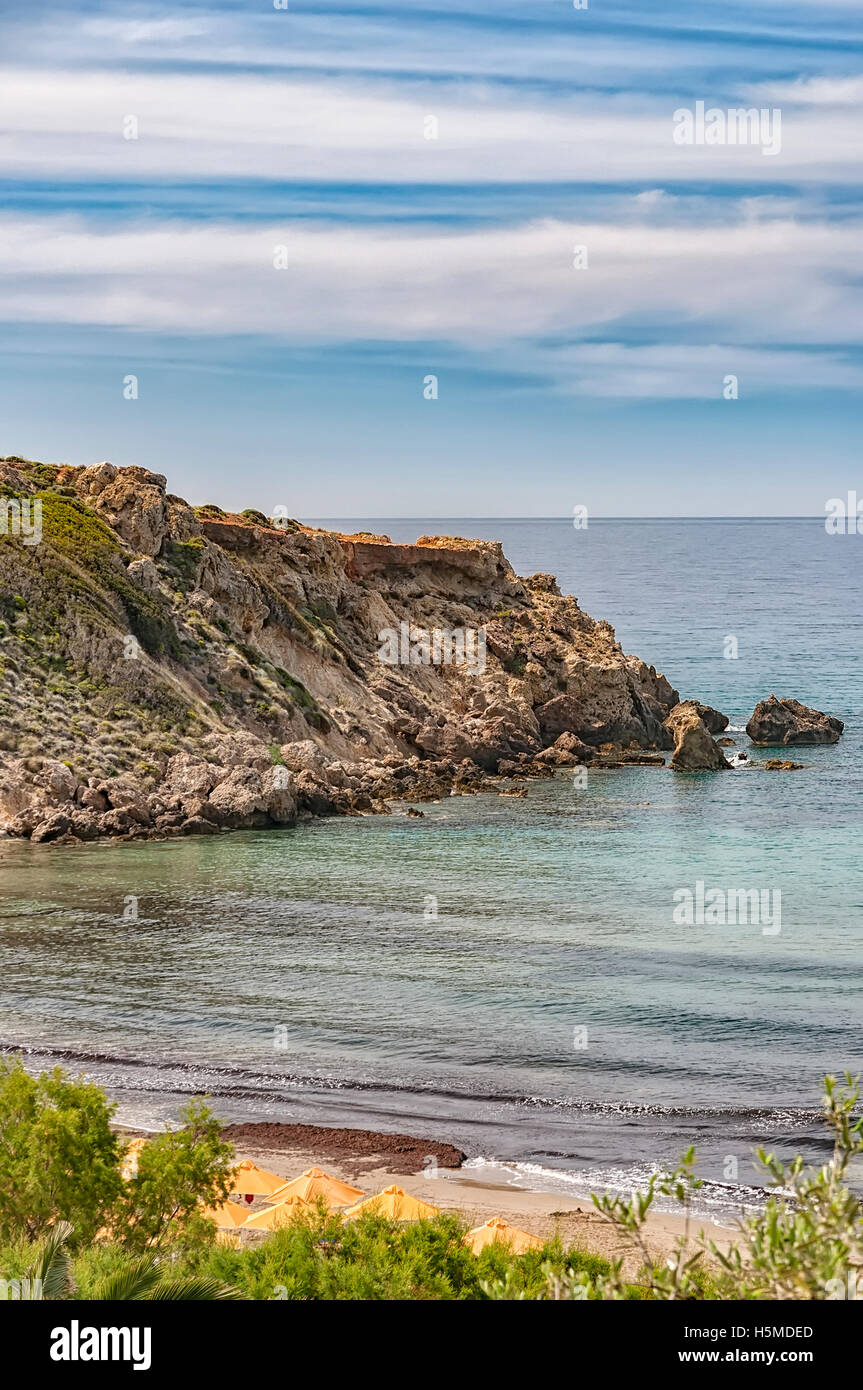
(142, 640)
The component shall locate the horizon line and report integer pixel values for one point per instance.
(772, 516)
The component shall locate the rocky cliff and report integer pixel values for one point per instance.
(168, 669)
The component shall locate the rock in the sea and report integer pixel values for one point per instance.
(52, 828)
(783, 722)
(694, 749)
(566, 751)
(713, 721)
(778, 765)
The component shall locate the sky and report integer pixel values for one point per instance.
(284, 223)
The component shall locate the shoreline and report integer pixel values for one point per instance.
(373, 1161)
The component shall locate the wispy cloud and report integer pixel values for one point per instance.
(514, 289)
(554, 128)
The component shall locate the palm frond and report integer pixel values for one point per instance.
(198, 1288)
(133, 1281)
(49, 1272)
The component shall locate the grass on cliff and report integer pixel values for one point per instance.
(77, 534)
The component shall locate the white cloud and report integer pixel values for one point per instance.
(757, 287)
(815, 91)
(69, 125)
(143, 31)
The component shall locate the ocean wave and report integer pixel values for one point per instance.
(231, 1082)
(713, 1198)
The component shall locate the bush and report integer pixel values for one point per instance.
(60, 1161)
(59, 1157)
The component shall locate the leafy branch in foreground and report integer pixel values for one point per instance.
(49, 1277)
(807, 1243)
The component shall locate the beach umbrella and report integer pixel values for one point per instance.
(226, 1215)
(499, 1232)
(394, 1203)
(252, 1181)
(315, 1185)
(271, 1218)
(129, 1162)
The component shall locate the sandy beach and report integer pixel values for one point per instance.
(476, 1194)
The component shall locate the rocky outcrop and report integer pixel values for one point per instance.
(166, 670)
(239, 789)
(713, 721)
(786, 722)
(694, 748)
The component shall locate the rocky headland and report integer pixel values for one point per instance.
(174, 670)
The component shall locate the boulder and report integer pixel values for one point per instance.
(85, 825)
(187, 775)
(57, 783)
(694, 749)
(713, 721)
(51, 828)
(131, 500)
(443, 740)
(238, 749)
(566, 751)
(92, 799)
(784, 722)
(197, 825)
(304, 754)
(144, 574)
(249, 797)
(561, 715)
(313, 794)
(126, 797)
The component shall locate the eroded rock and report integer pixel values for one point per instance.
(694, 748)
(787, 722)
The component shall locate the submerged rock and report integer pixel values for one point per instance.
(785, 721)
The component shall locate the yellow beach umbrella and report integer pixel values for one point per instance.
(252, 1181)
(226, 1215)
(316, 1185)
(129, 1163)
(394, 1203)
(499, 1232)
(271, 1218)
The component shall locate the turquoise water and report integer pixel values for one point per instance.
(504, 973)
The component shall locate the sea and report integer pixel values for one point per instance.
(515, 976)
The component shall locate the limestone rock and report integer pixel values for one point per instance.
(786, 722)
(560, 715)
(249, 797)
(240, 749)
(713, 721)
(694, 749)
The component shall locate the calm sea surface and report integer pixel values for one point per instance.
(552, 1016)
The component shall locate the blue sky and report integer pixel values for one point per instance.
(409, 256)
